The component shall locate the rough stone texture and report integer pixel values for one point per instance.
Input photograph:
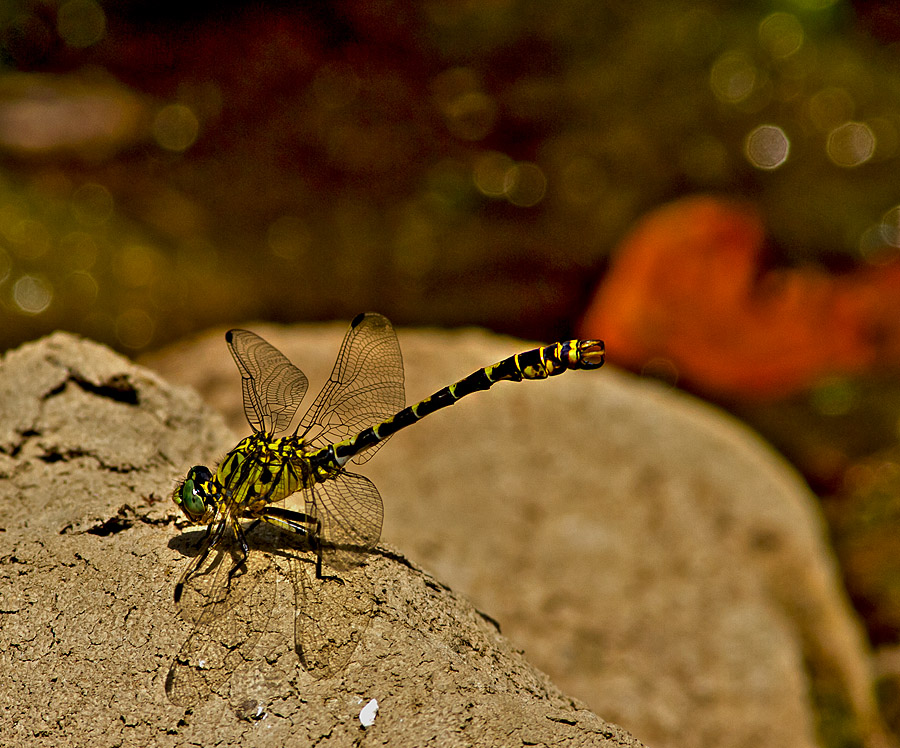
(90, 447)
(651, 554)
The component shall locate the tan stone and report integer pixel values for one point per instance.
(90, 448)
(651, 554)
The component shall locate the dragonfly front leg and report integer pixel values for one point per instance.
(244, 550)
(210, 539)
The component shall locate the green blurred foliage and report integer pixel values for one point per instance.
(442, 162)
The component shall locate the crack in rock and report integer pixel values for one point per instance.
(124, 519)
(117, 387)
(53, 455)
(13, 449)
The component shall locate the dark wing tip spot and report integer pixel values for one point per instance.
(229, 335)
(357, 319)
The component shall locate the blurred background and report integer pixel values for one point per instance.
(711, 187)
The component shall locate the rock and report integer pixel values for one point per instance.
(90, 448)
(651, 554)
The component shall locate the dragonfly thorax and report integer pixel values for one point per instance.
(261, 470)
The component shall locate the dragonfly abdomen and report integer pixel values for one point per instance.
(539, 363)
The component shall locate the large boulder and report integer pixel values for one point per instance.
(90, 551)
(651, 554)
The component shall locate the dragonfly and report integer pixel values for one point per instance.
(298, 480)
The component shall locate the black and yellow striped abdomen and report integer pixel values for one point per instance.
(539, 363)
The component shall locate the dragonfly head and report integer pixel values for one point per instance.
(196, 495)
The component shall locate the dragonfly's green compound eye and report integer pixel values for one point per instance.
(191, 495)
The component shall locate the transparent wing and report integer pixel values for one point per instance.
(332, 614)
(273, 387)
(365, 387)
(350, 513)
(228, 615)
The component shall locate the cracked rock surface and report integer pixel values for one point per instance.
(90, 448)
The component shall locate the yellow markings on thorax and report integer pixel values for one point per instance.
(250, 471)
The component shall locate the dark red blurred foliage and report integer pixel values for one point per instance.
(688, 285)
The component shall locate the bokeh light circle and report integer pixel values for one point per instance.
(289, 237)
(80, 23)
(890, 226)
(5, 265)
(781, 34)
(851, 144)
(32, 294)
(92, 204)
(733, 77)
(767, 147)
(176, 127)
(134, 328)
(491, 173)
(525, 185)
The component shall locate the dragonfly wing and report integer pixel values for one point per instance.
(365, 386)
(228, 613)
(273, 387)
(350, 512)
(332, 614)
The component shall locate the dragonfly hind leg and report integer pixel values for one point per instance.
(300, 523)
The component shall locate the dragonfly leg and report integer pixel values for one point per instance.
(209, 541)
(300, 523)
(244, 551)
(296, 522)
(317, 541)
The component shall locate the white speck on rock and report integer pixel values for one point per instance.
(368, 712)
